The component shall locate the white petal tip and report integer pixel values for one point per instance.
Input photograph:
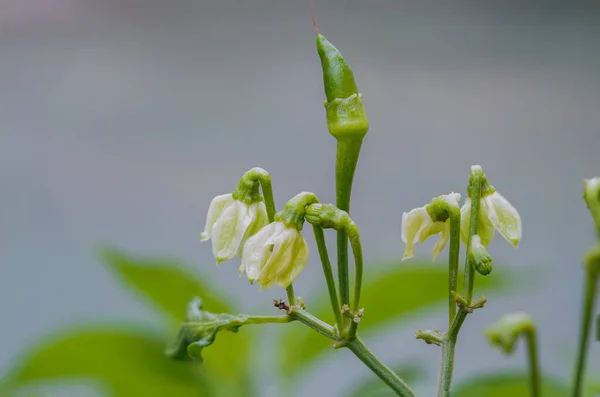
(204, 236)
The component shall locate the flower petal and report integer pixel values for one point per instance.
(441, 243)
(505, 218)
(413, 223)
(281, 257)
(229, 230)
(217, 205)
(285, 278)
(465, 221)
(485, 228)
(256, 252)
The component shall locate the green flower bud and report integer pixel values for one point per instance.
(507, 330)
(591, 195)
(479, 257)
(328, 216)
(345, 112)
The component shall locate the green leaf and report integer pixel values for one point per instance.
(396, 291)
(127, 363)
(507, 384)
(164, 282)
(375, 387)
(200, 330)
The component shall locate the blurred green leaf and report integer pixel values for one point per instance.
(164, 282)
(375, 387)
(126, 363)
(507, 384)
(396, 291)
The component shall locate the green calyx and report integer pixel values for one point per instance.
(478, 174)
(294, 212)
(248, 190)
(344, 108)
(440, 209)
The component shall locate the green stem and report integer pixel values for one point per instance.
(591, 283)
(357, 347)
(356, 245)
(475, 184)
(314, 323)
(328, 272)
(534, 369)
(448, 349)
(290, 294)
(348, 151)
(261, 176)
(267, 319)
(453, 259)
(447, 366)
(361, 351)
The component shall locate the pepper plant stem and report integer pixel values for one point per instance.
(361, 351)
(348, 151)
(328, 272)
(534, 369)
(453, 258)
(591, 287)
(447, 367)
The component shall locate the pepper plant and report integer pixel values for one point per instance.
(270, 247)
(273, 250)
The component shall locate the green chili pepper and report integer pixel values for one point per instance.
(345, 112)
(347, 122)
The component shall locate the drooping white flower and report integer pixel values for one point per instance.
(276, 254)
(417, 226)
(230, 222)
(495, 213)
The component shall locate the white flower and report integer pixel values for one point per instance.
(230, 223)
(495, 212)
(276, 254)
(417, 226)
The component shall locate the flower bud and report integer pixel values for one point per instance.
(479, 257)
(328, 216)
(591, 195)
(345, 112)
(507, 330)
(275, 255)
(230, 223)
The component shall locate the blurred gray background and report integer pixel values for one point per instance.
(121, 119)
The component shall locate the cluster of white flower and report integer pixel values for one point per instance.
(272, 253)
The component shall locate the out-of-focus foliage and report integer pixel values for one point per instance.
(394, 292)
(372, 386)
(134, 363)
(508, 384)
(127, 363)
(131, 361)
